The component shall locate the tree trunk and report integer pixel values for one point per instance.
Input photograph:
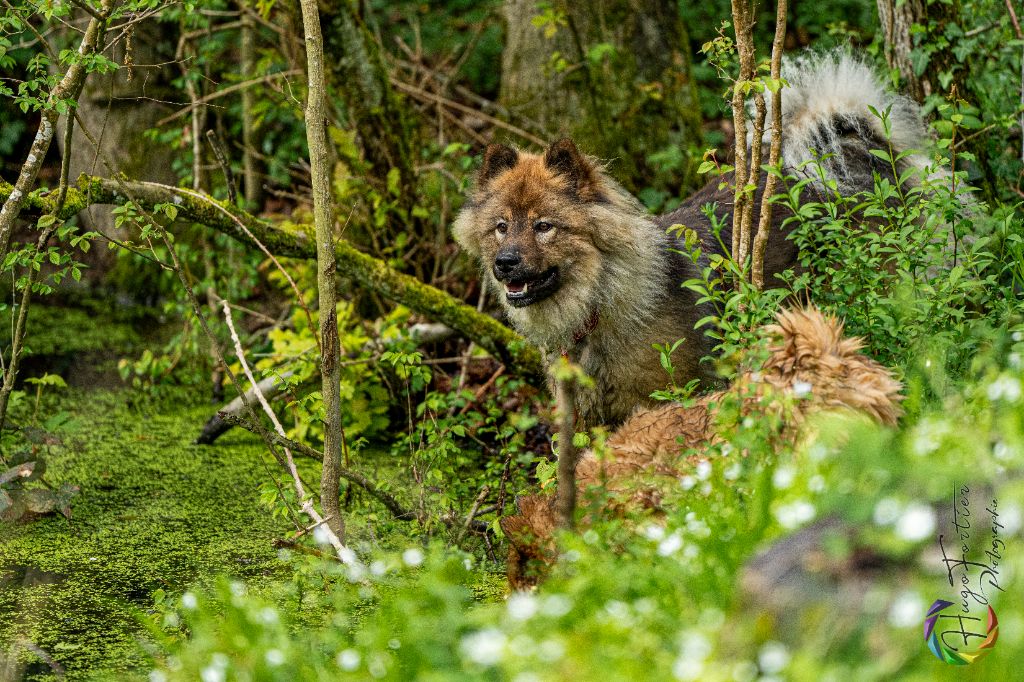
(613, 75)
(898, 19)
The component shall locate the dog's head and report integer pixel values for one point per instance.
(527, 220)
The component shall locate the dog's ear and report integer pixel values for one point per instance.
(498, 158)
(565, 159)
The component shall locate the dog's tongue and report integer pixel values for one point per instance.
(515, 288)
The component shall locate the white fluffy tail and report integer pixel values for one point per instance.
(825, 111)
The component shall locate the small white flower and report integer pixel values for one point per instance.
(211, 674)
(157, 676)
(1005, 388)
(687, 482)
(394, 643)
(916, 523)
(322, 535)
(907, 610)
(268, 615)
(795, 514)
(347, 556)
(522, 606)
(412, 557)
(485, 647)
(773, 657)
(783, 477)
(802, 389)
(378, 568)
(703, 470)
(733, 472)
(1010, 517)
(687, 669)
(348, 659)
(618, 610)
(670, 545)
(654, 532)
(816, 484)
(274, 657)
(189, 601)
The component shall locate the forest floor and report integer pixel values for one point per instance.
(154, 511)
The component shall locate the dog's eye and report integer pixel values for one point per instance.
(501, 227)
(542, 226)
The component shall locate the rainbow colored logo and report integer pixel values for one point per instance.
(952, 656)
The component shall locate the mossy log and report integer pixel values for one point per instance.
(503, 343)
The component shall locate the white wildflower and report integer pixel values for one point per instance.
(485, 647)
(773, 657)
(802, 389)
(907, 610)
(412, 557)
(795, 514)
(916, 523)
(348, 659)
(522, 606)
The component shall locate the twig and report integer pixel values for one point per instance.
(225, 166)
(484, 492)
(458, 106)
(483, 389)
(206, 99)
(300, 490)
(393, 505)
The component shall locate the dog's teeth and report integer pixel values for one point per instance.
(526, 287)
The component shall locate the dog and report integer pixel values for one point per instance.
(584, 270)
(810, 368)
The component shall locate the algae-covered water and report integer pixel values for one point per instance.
(155, 511)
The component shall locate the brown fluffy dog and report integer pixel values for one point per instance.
(809, 361)
(582, 268)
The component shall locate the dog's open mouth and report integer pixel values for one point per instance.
(523, 292)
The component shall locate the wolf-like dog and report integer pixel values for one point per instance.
(583, 269)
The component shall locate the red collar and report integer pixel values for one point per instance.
(588, 326)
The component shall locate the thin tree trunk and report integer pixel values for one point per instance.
(743, 23)
(565, 401)
(323, 215)
(249, 174)
(775, 151)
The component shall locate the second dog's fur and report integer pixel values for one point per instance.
(810, 369)
(583, 269)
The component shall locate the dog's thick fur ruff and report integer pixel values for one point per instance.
(810, 369)
(560, 212)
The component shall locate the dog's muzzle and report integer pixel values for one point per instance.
(525, 288)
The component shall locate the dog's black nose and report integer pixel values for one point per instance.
(506, 261)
